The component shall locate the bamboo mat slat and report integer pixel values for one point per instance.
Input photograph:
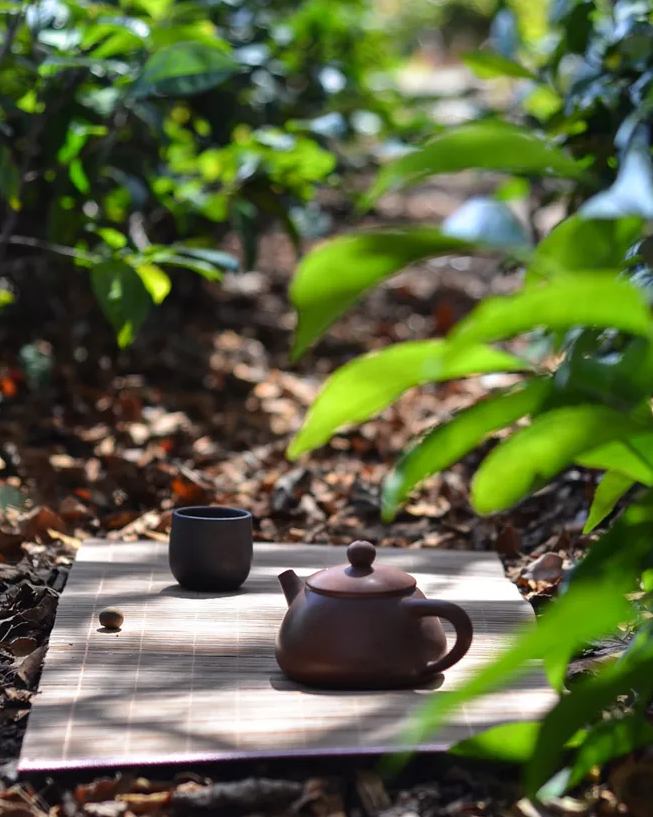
(193, 677)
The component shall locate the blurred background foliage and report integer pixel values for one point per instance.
(186, 115)
(134, 134)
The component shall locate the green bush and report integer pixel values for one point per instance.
(134, 133)
(586, 290)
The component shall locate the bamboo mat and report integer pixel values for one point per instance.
(193, 677)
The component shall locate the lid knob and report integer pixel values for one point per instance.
(361, 554)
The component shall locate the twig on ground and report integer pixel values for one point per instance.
(251, 793)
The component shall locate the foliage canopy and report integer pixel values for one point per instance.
(585, 104)
(135, 133)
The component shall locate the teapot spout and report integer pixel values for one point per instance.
(291, 585)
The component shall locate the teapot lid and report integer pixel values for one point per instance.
(359, 578)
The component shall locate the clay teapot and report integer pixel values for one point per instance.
(359, 626)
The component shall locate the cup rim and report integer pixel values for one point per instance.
(192, 512)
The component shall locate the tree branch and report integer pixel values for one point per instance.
(31, 150)
(12, 30)
(61, 249)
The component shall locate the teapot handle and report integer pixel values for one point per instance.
(452, 613)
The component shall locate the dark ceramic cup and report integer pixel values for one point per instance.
(210, 548)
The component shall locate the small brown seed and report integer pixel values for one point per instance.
(111, 618)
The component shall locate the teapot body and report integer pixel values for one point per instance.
(359, 642)
(357, 626)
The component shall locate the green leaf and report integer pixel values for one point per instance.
(608, 492)
(542, 102)
(114, 238)
(585, 703)
(203, 268)
(54, 65)
(489, 145)
(76, 138)
(156, 9)
(513, 189)
(184, 69)
(533, 455)
(636, 367)
(130, 26)
(584, 299)
(118, 44)
(122, 297)
(632, 192)
(244, 219)
(507, 743)
(488, 64)
(30, 102)
(332, 277)
(555, 667)
(156, 281)
(450, 441)
(197, 31)
(78, 176)
(584, 244)
(621, 553)
(619, 379)
(563, 628)
(632, 457)
(619, 457)
(217, 258)
(486, 221)
(608, 740)
(372, 382)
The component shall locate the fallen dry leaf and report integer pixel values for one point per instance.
(188, 492)
(145, 803)
(121, 519)
(158, 537)
(138, 526)
(508, 542)
(546, 568)
(107, 808)
(72, 509)
(36, 523)
(21, 801)
(144, 786)
(30, 667)
(100, 789)
(372, 792)
(633, 785)
(70, 541)
(8, 385)
(444, 316)
(526, 808)
(8, 809)
(21, 646)
(44, 609)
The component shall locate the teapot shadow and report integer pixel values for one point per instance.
(179, 592)
(281, 683)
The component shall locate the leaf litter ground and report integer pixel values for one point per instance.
(200, 410)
